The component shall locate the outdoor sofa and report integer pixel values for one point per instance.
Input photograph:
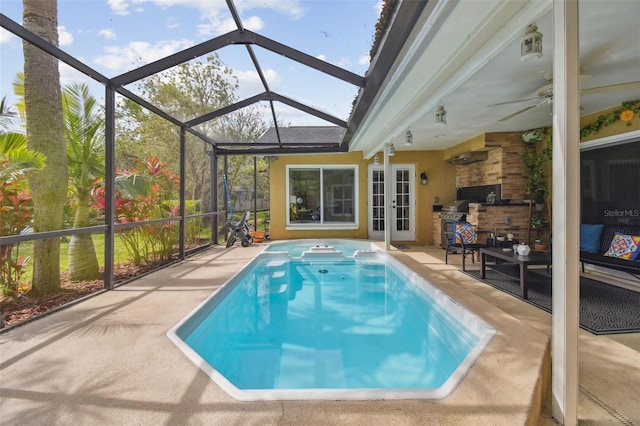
(595, 244)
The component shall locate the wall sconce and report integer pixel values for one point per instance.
(376, 159)
(391, 149)
(423, 178)
(531, 44)
(441, 116)
(408, 138)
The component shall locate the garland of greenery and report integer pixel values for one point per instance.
(627, 112)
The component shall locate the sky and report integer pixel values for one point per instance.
(115, 36)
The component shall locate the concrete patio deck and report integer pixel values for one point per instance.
(108, 361)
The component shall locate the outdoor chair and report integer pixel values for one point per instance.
(461, 237)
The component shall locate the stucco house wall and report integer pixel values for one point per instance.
(440, 174)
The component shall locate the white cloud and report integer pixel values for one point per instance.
(364, 59)
(65, 38)
(69, 75)
(288, 7)
(217, 26)
(108, 34)
(249, 83)
(119, 7)
(378, 7)
(322, 57)
(119, 59)
(5, 36)
(253, 23)
(215, 14)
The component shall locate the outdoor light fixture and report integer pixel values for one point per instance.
(408, 138)
(441, 116)
(391, 149)
(531, 44)
(376, 159)
(423, 178)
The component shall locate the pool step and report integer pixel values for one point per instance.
(276, 273)
(310, 368)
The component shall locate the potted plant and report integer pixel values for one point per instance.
(539, 221)
(539, 245)
(534, 161)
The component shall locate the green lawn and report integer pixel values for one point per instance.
(200, 233)
(26, 249)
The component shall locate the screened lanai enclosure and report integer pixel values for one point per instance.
(159, 159)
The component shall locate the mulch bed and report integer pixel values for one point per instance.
(23, 307)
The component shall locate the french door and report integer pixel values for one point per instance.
(402, 202)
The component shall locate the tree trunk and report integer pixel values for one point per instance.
(45, 134)
(83, 262)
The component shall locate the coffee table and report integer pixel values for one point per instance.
(533, 258)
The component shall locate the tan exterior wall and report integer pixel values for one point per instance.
(441, 184)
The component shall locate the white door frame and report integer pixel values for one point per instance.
(408, 234)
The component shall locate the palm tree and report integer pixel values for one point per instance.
(45, 134)
(85, 155)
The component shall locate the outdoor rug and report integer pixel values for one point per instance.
(604, 308)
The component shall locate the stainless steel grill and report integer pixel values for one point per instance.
(459, 216)
(455, 211)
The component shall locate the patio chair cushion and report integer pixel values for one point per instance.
(590, 237)
(624, 246)
(465, 233)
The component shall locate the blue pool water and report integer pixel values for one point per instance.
(325, 326)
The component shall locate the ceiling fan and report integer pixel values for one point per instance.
(545, 94)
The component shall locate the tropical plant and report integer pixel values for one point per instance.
(6, 115)
(45, 134)
(16, 208)
(144, 193)
(85, 155)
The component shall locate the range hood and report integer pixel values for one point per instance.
(468, 158)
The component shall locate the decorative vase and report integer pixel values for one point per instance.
(523, 249)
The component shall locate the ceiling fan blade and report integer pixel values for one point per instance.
(515, 102)
(612, 88)
(519, 112)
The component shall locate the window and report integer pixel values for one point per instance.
(322, 195)
(609, 177)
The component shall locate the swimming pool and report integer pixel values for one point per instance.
(327, 326)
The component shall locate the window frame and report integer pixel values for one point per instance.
(321, 224)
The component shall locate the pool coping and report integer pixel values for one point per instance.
(483, 330)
